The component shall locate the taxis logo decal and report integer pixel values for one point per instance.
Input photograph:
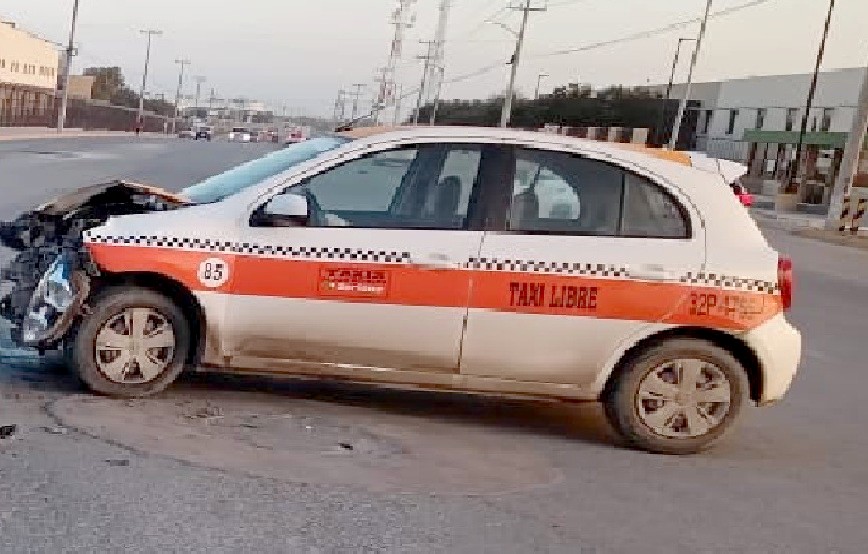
(348, 282)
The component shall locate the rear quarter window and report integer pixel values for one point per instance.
(649, 211)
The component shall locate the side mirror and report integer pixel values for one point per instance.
(285, 210)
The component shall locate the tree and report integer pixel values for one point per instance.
(107, 81)
(109, 86)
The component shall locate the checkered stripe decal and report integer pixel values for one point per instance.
(208, 245)
(163, 242)
(728, 281)
(385, 257)
(343, 254)
(590, 270)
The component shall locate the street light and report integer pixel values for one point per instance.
(682, 107)
(670, 85)
(538, 79)
(150, 33)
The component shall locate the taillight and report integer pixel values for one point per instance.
(785, 281)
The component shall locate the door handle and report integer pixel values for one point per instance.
(436, 260)
(652, 272)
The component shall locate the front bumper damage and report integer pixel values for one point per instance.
(51, 275)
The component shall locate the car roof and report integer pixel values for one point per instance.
(646, 156)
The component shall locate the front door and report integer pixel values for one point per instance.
(374, 278)
(583, 255)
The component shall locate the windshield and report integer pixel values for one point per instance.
(218, 187)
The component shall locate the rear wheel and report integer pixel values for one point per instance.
(133, 343)
(677, 397)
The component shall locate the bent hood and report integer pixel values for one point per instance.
(71, 201)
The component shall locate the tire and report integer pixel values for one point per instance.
(644, 376)
(121, 302)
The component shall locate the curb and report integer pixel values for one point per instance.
(84, 134)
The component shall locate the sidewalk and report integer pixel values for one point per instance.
(763, 211)
(33, 133)
(809, 226)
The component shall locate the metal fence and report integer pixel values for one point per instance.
(33, 110)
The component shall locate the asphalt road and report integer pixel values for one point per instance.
(227, 465)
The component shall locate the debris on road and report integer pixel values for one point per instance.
(8, 431)
(56, 430)
(208, 413)
(345, 445)
(118, 463)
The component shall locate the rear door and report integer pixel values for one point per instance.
(580, 255)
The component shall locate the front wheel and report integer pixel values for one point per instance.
(133, 343)
(677, 397)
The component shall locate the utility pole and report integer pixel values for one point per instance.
(436, 107)
(150, 33)
(506, 114)
(199, 80)
(428, 58)
(539, 79)
(70, 51)
(662, 120)
(396, 117)
(356, 94)
(796, 167)
(401, 23)
(850, 163)
(682, 107)
(183, 63)
(340, 101)
(438, 68)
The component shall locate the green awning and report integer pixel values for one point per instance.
(826, 139)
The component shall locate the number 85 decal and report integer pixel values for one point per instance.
(213, 273)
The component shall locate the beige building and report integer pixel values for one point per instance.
(28, 74)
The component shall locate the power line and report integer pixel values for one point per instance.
(651, 32)
(485, 20)
(593, 46)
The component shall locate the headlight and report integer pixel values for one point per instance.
(52, 297)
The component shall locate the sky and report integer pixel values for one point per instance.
(298, 53)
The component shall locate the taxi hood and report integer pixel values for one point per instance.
(71, 201)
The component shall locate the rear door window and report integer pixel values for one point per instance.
(563, 193)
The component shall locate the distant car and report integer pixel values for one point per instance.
(293, 137)
(744, 196)
(186, 133)
(203, 133)
(239, 134)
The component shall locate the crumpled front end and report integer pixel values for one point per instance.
(51, 273)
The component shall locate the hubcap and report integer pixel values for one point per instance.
(683, 398)
(135, 346)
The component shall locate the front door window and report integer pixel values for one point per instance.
(425, 187)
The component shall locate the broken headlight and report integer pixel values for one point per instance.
(53, 296)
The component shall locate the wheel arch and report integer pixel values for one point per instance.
(171, 288)
(731, 343)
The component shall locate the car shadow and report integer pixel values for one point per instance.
(582, 421)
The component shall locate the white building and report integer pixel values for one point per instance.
(758, 120)
(28, 73)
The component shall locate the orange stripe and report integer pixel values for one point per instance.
(532, 293)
